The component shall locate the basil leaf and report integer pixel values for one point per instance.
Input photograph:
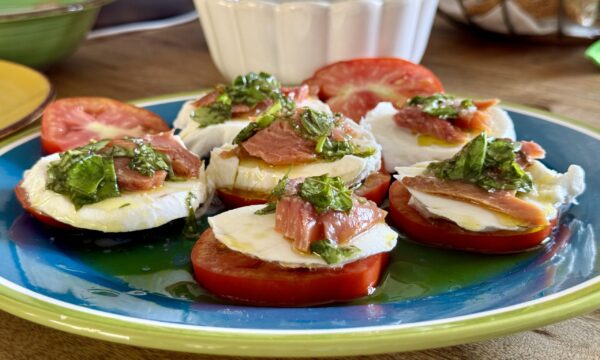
(441, 105)
(213, 114)
(334, 150)
(276, 194)
(191, 228)
(85, 176)
(315, 124)
(486, 162)
(262, 122)
(91, 179)
(268, 209)
(331, 252)
(326, 193)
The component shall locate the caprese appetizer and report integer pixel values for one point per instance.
(219, 115)
(120, 185)
(299, 142)
(433, 127)
(315, 242)
(493, 196)
(72, 122)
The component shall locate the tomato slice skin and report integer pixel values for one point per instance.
(443, 233)
(71, 122)
(235, 276)
(356, 86)
(375, 187)
(233, 198)
(40, 216)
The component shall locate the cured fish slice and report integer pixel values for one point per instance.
(297, 220)
(280, 145)
(502, 201)
(418, 122)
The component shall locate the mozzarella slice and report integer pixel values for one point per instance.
(551, 190)
(129, 212)
(202, 140)
(401, 147)
(254, 235)
(225, 171)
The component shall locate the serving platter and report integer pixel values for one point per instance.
(137, 288)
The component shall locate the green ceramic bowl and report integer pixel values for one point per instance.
(38, 33)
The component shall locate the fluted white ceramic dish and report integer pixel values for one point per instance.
(293, 38)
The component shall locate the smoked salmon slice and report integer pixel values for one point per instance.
(297, 220)
(502, 201)
(280, 145)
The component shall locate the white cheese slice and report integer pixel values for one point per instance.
(129, 212)
(255, 175)
(254, 235)
(401, 147)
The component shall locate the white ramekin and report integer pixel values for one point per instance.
(293, 38)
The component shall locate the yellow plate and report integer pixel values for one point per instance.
(24, 93)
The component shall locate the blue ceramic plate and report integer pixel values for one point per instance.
(137, 288)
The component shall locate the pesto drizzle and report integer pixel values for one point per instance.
(443, 106)
(486, 162)
(86, 174)
(250, 90)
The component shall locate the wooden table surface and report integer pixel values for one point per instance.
(555, 78)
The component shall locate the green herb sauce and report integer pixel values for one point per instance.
(486, 162)
(442, 105)
(331, 252)
(86, 174)
(249, 90)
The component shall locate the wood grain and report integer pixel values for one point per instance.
(555, 78)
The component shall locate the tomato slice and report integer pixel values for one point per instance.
(447, 234)
(72, 122)
(375, 187)
(233, 198)
(235, 276)
(356, 86)
(48, 220)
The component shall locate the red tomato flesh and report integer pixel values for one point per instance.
(447, 234)
(375, 187)
(356, 86)
(40, 216)
(72, 122)
(235, 276)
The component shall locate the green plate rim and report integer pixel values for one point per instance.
(45, 311)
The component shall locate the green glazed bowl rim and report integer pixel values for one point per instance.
(32, 13)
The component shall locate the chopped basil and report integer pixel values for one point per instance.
(146, 160)
(486, 162)
(315, 125)
(213, 114)
(331, 252)
(191, 228)
(441, 105)
(333, 150)
(326, 193)
(87, 174)
(262, 122)
(83, 176)
(275, 195)
(124, 205)
(249, 90)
